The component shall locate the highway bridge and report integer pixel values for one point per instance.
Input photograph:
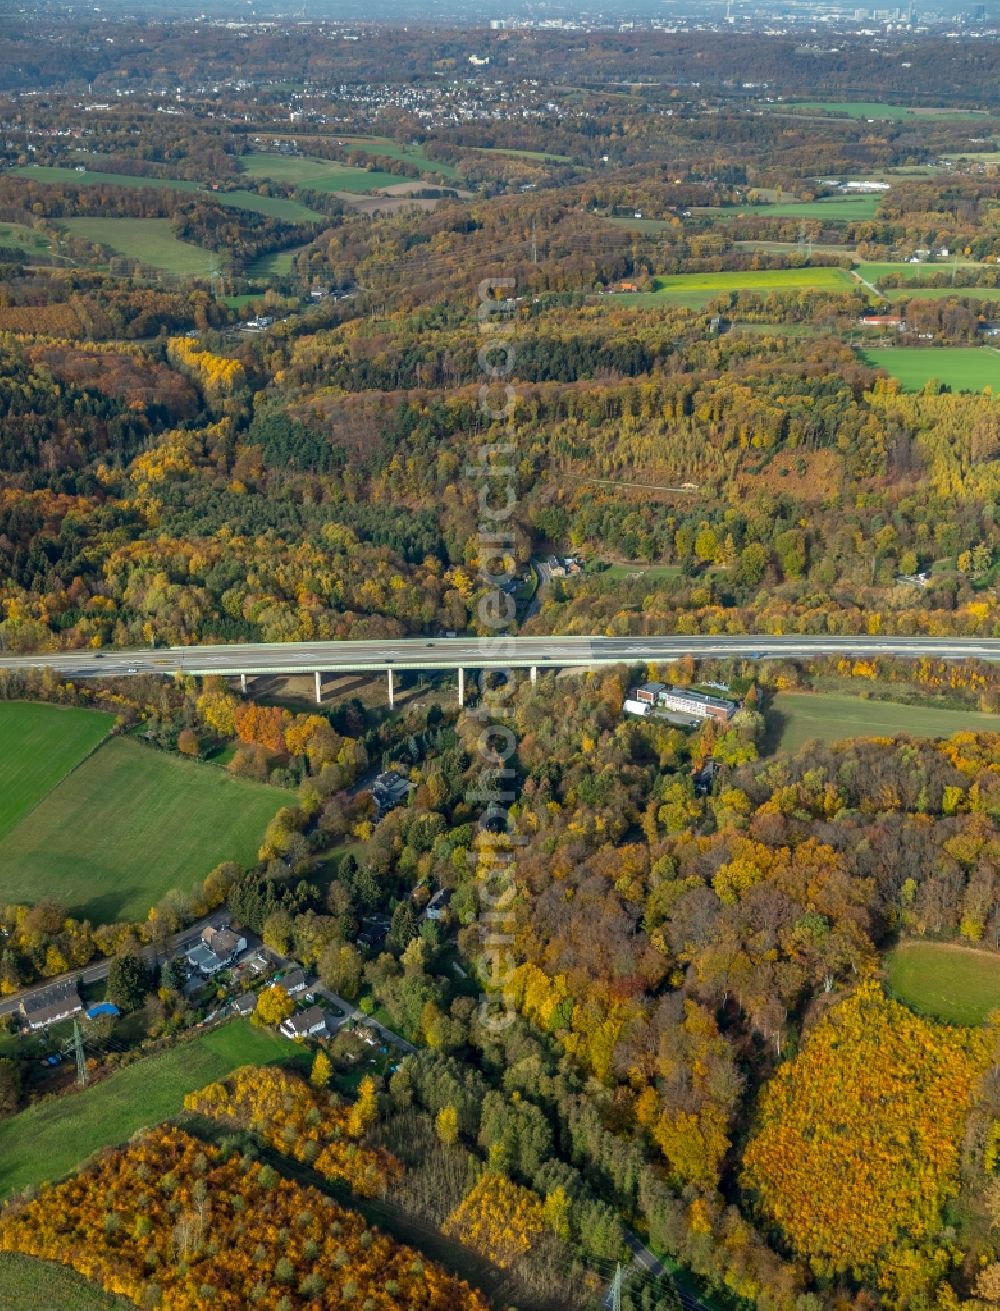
(392, 655)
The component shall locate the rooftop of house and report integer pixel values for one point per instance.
(59, 995)
(305, 1021)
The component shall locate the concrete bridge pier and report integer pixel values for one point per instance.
(534, 675)
(392, 691)
(461, 687)
(319, 688)
(243, 684)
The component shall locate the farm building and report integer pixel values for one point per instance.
(884, 321)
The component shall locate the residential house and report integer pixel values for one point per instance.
(374, 931)
(245, 1004)
(59, 1002)
(390, 790)
(438, 904)
(294, 983)
(311, 1023)
(217, 948)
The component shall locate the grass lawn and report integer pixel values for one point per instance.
(942, 293)
(276, 265)
(875, 109)
(636, 225)
(650, 300)
(794, 247)
(41, 744)
(962, 368)
(128, 825)
(913, 272)
(148, 240)
(959, 985)
(796, 717)
(324, 175)
(835, 209)
(51, 1139)
(30, 1285)
(271, 206)
(387, 149)
(540, 155)
(776, 329)
(21, 237)
(650, 571)
(764, 280)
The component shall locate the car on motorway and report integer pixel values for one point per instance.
(132, 669)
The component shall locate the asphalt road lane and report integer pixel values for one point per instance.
(484, 653)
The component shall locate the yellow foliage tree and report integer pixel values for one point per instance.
(273, 1006)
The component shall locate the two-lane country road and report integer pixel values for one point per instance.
(485, 653)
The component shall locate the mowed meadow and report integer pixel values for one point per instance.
(945, 980)
(108, 832)
(39, 745)
(796, 718)
(962, 368)
(30, 1285)
(696, 290)
(45, 1142)
(148, 240)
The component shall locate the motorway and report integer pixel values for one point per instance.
(501, 652)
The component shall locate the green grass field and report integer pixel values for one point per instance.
(52, 1138)
(323, 175)
(959, 985)
(793, 247)
(41, 744)
(942, 293)
(835, 209)
(271, 206)
(148, 240)
(128, 825)
(415, 155)
(30, 1285)
(912, 272)
(797, 717)
(877, 109)
(21, 237)
(275, 265)
(646, 300)
(636, 225)
(645, 571)
(542, 156)
(695, 290)
(962, 368)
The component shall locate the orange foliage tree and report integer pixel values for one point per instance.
(302, 1122)
(859, 1141)
(498, 1218)
(174, 1222)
